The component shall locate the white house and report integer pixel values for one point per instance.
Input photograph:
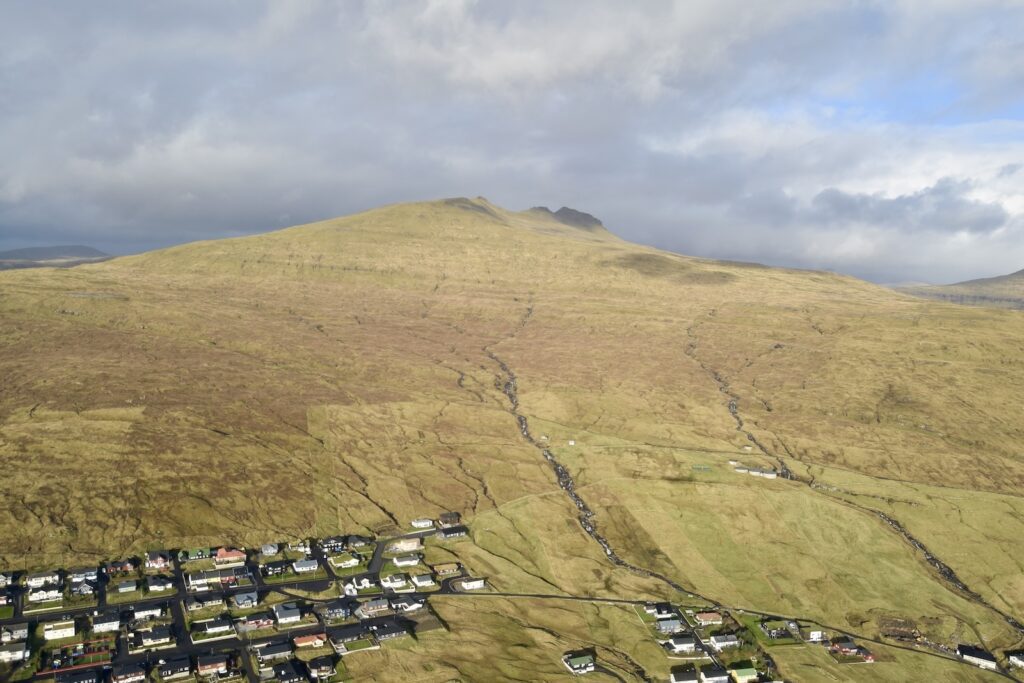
(147, 611)
(40, 579)
(305, 566)
(472, 584)
(682, 644)
(394, 581)
(714, 674)
(353, 586)
(977, 657)
(159, 584)
(423, 580)
(287, 613)
(817, 637)
(687, 675)
(725, 642)
(13, 652)
(344, 560)
(5, 580)
(1016, 658)
(55, 630)
(422, 523)
(407, 560)
(47, 594)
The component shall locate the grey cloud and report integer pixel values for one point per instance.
(704, 127)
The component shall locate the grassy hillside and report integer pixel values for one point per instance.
(346, 376)
(1004, 291)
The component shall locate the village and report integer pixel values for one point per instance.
(289, 612)
(292, 612)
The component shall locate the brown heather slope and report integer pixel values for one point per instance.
(342, 376)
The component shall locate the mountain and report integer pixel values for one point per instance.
(1005, 291)
(60, 256)
(577, 398)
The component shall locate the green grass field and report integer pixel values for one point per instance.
(342, 377)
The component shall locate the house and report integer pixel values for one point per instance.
(372, 608)
(682, 644)
(817, 636)
(107, 622)
(211, 665)
(158, 560)
(5, 598)
(406, 560)
(253, 622)
(212, 626)
(394, 581)
(355, 542)
(83, 589)
(449, 519)
(708, 618)
(129, 586)
(453, 532)
(344, 560)
(178, 667)
(579, 662)
(300, 546)
(246, 599)
(409, 603)
(201, 581)
(405, 545)
(13, 652)
(268, 549)
(305, 566)
(358, 583)
(143, 612)
(1016, 658)
(333, 544)
(321, 668)
(87, 676)
(288, 672)
(845, 646)
(158, 635)
(198, 602)
(56, 630)
(447, 569)
(159, 584)
(744, 674)
(128, 673)
(5, 580)
(40, 579)
(670, 625)
(275, 568)
(714, 674)
(47, 594)
(391, 628)
(341, 635)
(13, 632)
(472, 584)
(684, 674)
(311, 640)
(723, 642)
(229, 557)
(83, 574)
(269, 652)
(336, 609)
(422, 523)
(126, 566)
(977, 657)
(287, 613)
(660, 610)
(423, 580)
(194, 554)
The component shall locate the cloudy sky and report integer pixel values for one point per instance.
(883, 139)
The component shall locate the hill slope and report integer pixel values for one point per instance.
(1004, 291)
(356, 373)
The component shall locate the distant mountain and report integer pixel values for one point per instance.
(1003, 291)
(60, 256)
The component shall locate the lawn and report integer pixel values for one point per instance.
(290, 576)
(7, 612)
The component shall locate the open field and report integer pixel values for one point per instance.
(349, 376)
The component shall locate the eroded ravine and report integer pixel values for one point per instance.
(947, 576)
